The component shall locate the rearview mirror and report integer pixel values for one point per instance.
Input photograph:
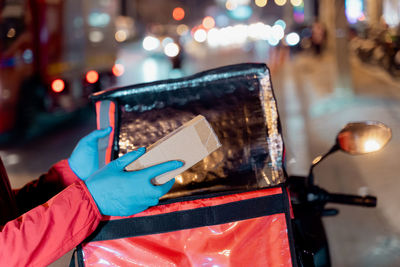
(363, 137)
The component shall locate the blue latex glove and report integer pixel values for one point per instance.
(84, 160)
(123, 193)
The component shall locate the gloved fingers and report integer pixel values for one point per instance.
(128, 158)
(152, 202)
(94, 136)
(164, 188)
(161, 168)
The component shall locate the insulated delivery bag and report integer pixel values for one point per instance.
(231, 208)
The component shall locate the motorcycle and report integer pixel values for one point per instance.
(238, 101)
(309, 200)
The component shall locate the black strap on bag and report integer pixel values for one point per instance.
(79, 257)
(187, 219)
(193, 218)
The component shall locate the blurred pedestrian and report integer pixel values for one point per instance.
(318, 37)
(176, 61)
(278, 56)
(60, 209)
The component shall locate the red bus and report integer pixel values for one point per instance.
(53, 54)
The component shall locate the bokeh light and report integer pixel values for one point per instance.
(242, 12)
(208, 22)
(280, 22)
(92, 76)
(280, 2)
(265, 32)
(99, 19)
(213, 37)
(121, 36)
(178, 13)
(230, 5)
(298, 13)
(296, 2)
(225, 36)
(239, 34)
(171, 50)
(277, 32)
(96, 36)
(118, 69)
(11, 33)
(150, 69)
(253, 30)
(292, 39)
(200, 35)
(259, 31)
(57, 85)
(182, 29)
(273, 41)
(150, 43)
(261, 3)
(27, 56)
(354, 10)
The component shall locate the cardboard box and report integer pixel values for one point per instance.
(190, 143)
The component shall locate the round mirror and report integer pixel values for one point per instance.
(363, 137)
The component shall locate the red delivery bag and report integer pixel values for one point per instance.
(230, 209)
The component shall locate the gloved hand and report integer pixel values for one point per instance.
(84, 160)
(123, 193)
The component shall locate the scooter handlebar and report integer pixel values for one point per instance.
(366, 201)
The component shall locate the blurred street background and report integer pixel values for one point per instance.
(331, 61)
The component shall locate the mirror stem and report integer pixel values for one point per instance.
(316, 161)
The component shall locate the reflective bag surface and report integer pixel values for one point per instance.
(230, 209)
(239, 229)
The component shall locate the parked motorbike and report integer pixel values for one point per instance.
(309, 200)
(380, 48)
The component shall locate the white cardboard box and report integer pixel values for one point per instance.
(190, 143)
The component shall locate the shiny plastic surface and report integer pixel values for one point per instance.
(363, 137)
(238, 102)
(261, 241)
(256, 242)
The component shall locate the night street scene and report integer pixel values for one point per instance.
(303, 97)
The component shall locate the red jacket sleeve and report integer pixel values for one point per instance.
(50, 230)
(48, 185)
